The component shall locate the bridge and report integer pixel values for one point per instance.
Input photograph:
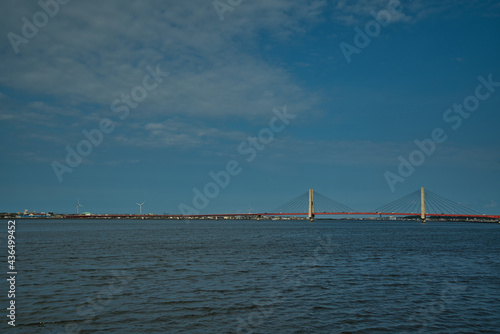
(421, 204)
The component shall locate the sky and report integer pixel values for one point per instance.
(239, 106)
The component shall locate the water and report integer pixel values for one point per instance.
(124, 276)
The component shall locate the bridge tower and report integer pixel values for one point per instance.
(311, 205)
(422, 204)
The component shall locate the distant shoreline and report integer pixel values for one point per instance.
(234, 217)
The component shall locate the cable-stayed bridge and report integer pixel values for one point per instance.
(421, 204)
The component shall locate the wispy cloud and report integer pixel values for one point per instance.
(373, 153)
(178, 134)
(492, 204)
(360, 11)
(87, 58)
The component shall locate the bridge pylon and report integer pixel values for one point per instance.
(311, 205)
(422, 205)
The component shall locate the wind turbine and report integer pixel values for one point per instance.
(140, 207)
(78, 205)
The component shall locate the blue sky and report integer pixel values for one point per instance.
(217, 83)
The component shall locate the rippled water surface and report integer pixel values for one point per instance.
(124, 276)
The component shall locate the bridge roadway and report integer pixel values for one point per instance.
(380, 214)
(127, 216)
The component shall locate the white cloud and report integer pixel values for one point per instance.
(93, 51)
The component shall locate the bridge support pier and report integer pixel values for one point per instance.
(311, 205)
(422, 205)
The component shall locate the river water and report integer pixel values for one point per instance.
(151, 276)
